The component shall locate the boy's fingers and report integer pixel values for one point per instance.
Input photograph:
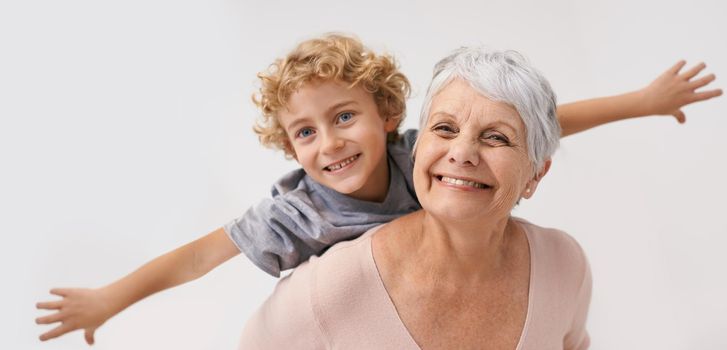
(706, 95)
(702, 81)
(53, 318)
(693, 71)
(89, 336)
(61, 292)
(681, 118)
(677, 67)
(55, 332)
(49, 305)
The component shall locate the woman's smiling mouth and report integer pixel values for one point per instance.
(461, 182)
(342, 164)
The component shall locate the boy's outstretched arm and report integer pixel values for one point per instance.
(666, 95)
(88, 309)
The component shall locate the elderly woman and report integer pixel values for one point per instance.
(462, 272)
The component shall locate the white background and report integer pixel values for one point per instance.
(126, 132)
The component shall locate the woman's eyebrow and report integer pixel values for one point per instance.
(505, 124)
(442, 115)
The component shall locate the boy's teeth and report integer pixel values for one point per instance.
(342, 164)
(460, 182)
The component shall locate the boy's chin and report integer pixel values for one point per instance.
(344, 188)
(348, 187)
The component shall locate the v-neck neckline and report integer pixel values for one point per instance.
(399, 323)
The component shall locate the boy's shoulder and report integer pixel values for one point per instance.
(401, 153)
(298, 190)
(289, 182)
(405, 142)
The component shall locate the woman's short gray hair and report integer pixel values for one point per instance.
(504, 76)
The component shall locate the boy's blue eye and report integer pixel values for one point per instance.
(344, 117)
(305, 132)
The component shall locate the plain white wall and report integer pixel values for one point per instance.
(125, 132)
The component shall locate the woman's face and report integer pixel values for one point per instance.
(471, 157)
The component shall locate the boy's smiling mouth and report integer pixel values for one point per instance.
(341, 164)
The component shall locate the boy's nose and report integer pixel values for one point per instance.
(331, 143)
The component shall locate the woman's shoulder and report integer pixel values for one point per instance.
(338, 272)
(332, 270)
(558, 261)
(296, 315)
(552, 242)
(560, 288)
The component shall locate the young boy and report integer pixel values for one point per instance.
(335, 108)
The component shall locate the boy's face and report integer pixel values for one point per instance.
(339, 138)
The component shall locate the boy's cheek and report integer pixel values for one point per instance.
(290, 151)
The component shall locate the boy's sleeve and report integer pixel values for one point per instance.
(408, 139)
(402, 152)
(279, 233)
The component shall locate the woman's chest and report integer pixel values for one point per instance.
(490, 317)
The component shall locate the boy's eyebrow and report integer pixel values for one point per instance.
(328, 111)
(340, 105)
(295, 123)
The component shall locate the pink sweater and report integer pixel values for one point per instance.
(338, 301)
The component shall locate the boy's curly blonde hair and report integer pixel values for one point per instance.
(330, 57)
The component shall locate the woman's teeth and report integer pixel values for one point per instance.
(341, 164)
(459, 182)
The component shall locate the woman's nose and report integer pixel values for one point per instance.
(463, 152)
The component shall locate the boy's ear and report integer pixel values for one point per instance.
(391, 123)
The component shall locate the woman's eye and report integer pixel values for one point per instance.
(344, 117)
(305, 132)
(444, 128)
(496, 138)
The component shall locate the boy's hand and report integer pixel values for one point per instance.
(84, 309)
(673, 90)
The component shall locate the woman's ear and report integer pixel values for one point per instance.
(533, 184)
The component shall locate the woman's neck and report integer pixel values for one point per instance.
(473, 251)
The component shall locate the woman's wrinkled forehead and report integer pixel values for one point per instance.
(461, 102)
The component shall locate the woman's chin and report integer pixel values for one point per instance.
(462, 211)
(458, 214)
